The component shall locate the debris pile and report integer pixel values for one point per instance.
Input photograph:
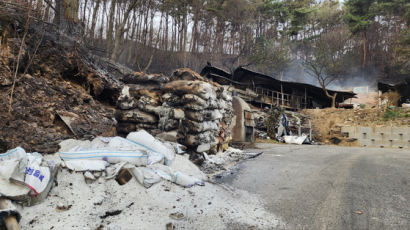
(184, 107)
(224, 162)
(84, 193)
(287, 126)
(144, 157)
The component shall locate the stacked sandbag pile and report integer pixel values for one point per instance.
(139, 101)
(207, 108)
(195, 110)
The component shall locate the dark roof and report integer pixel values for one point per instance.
(220, 76)
(215, 70)
(244, 77)
(261, 80)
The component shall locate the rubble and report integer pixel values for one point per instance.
(107, 202)
(223, 162)
(285, 126)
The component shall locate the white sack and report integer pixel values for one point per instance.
(13, 164)
(136, 157)
(176, 177)
(146, 140)
(37, 177)
(86, 165)
(145, 176)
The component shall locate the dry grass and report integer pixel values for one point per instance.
(270, 141)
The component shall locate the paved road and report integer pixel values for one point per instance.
(328, 187)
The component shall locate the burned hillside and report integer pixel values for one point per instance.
(53, 82)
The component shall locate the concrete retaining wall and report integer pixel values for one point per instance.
(393, 137)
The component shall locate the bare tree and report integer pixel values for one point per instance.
(329, 59)
(94, 18)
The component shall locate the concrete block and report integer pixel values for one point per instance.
(401, 130)
(350, 130)
(402, 133)
(364, 132)
(366, 142)
(388, 137)
(382, 143)
(399, 144)
(383, 132)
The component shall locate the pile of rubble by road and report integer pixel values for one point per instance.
(283, 125)
(99, 184)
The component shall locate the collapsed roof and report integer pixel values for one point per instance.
(402, 86)
(246, 78)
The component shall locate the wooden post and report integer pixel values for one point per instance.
(271, 99)
(281, 92)
(10, 221)
(305, 99)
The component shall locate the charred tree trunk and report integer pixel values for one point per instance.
(66, 16)
(94, 18)
(364, 43)
(71, 10)
(166, 32)
(145, 31)
(194, 46)
(120, 31)
(101, 37)
(151, 28)
(39, 8)
(47, 13)
(84, 10)
(219, 35)
(110, 27)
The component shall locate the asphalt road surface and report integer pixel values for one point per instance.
(329, 187)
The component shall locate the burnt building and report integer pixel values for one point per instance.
(401, 86)
(263, 90)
